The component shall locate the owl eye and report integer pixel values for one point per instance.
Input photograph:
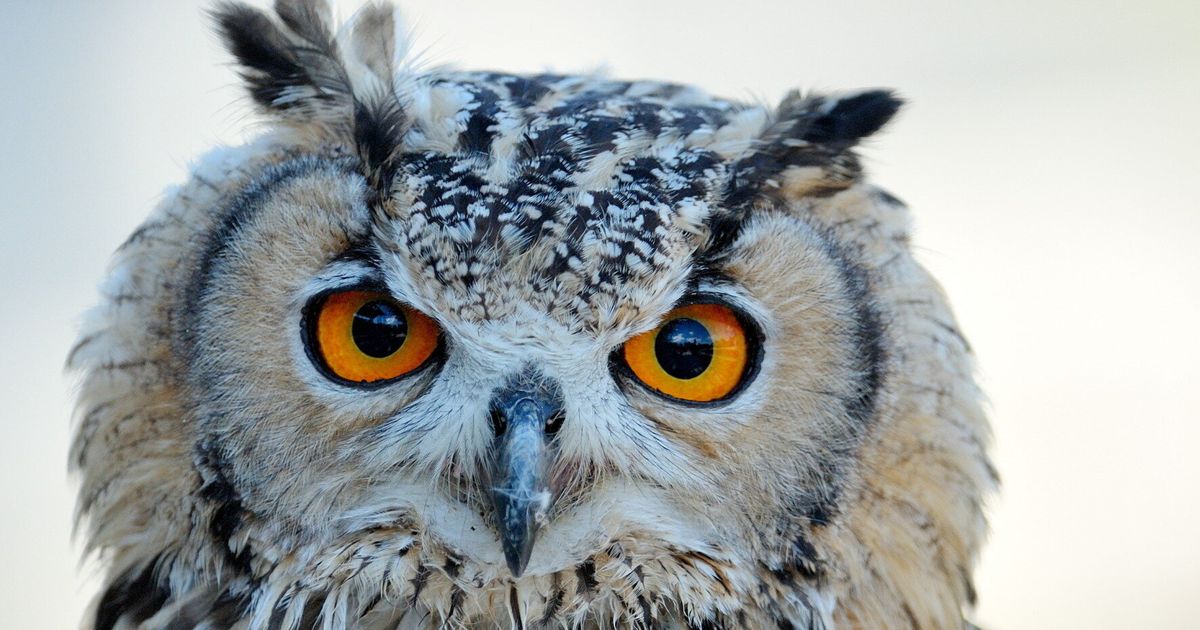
(367, 337)
(698, 354)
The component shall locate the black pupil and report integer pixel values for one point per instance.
(684, 348)
(379, 329)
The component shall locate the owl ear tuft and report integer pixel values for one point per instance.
(829, 123)
(846, 120)
(806, 149)
(288, 67)
(302, 70)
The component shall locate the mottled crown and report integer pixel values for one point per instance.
(590, 188)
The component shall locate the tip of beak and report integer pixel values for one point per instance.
(517, 522)
(516, 564)
(521, 497)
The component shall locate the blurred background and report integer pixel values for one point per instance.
(1050, 152)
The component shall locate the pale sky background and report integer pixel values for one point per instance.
(1050, 153)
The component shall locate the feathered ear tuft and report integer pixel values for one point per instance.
(839, 122)
(300, 70)
(312, 20)
(373, 40)
(806, 149)
(285, 70)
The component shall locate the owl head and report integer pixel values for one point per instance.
(477, 350)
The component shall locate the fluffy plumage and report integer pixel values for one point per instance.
(543, 221)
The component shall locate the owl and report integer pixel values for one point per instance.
(479, 350)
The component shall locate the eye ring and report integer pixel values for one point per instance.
(702, 353)
(364, 338)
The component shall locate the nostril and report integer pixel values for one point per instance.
(499, 423)
(554, 422)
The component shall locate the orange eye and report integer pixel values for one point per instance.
(699, 353)
(366, 337)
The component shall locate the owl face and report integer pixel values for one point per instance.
(480, 349)
(562, 368)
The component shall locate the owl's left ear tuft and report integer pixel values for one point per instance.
(806, 149)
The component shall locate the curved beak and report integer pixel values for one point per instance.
(525, 420)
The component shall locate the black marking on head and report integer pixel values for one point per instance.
(87, 428)
(132, 598)
(600, 132)
(367, 254)
(549, 139)
(480, 131)
(705, 273)
(909, 616)
(378, 126)
(309, 20)
(724, 228)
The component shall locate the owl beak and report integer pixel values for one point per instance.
(524, 422)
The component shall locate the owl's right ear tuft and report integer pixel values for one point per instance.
(303, 70)
(295, 64)
(269, 66)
